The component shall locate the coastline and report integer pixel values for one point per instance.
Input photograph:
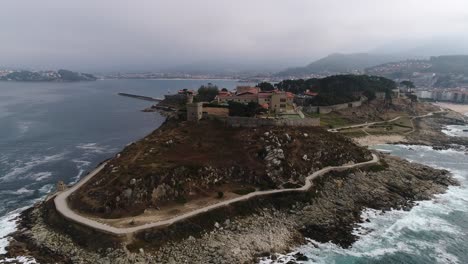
(261, 228)
(460, 108)
(270, 226)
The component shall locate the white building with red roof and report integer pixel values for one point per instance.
(275, 101)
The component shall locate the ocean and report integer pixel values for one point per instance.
(60, 131)
(434, 231)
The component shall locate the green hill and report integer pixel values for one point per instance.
(340, 63)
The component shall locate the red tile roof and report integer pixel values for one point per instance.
(310, 93)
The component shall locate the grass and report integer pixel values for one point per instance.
(399, 126)
(353, 133)
(331, 120)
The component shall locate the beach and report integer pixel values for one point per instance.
(460, 108)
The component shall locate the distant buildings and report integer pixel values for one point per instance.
(456, 95)
(276, 101)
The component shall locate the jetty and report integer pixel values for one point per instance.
(141, 97)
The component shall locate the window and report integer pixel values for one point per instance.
(283, 100)
(282, 106)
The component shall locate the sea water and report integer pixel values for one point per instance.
(60, 131)
(434, 231)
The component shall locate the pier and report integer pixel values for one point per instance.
(141, 97)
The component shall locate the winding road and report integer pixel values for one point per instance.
(62, 206)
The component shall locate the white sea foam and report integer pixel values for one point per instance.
(7, 225)
(46, 188)
(24, 190)
(21, 171)
(81, 165)
(94, 148)
(42, 175)
(424, 232)
(455, 131)
(21, 259)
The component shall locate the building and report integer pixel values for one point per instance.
(396, 93)
(380, 95)
(280, 101)
(456, 95)
(61, 186)
(276, 101)
(194, 112)
(305, 98)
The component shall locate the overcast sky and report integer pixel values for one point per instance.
(110, 35)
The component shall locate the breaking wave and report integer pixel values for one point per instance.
(456, 131)
(433, 231)
(20, 171)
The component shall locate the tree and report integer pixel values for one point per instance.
(408, 84)
(412, 97)
(339, 89)
(245, 110)
(265, 86)
(388, 97)
(207, 93)
(369, 94)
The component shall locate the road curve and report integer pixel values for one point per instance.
(62, 206)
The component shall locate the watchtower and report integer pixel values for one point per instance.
(194, 112)
(61, 186)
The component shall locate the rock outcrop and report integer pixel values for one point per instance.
(328, 213)
(181, 161)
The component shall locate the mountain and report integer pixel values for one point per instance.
(341, 63)
(455, 64)
(46, 76)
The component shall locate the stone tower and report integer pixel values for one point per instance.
(194, 112)
(61, 186)
(189, 98)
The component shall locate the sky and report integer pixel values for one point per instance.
(153, 35)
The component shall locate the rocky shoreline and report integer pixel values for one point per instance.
(328, 213)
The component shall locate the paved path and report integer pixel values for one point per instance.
(61, 202)
(381, 122)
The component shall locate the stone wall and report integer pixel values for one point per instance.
(329, 108)
(235, 121)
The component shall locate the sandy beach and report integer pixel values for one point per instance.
(376, 140)
(460, 108)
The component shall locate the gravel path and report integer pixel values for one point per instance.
(62, 206)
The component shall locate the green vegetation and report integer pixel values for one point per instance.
(330, 120)
(49, 76)
(265, 86)
(245, 110)
(408, 84)
(339, 89)
(207, 93)
(340, 63)
(26, 76)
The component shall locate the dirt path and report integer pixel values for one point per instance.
(62, 206)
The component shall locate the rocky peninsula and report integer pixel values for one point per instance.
(182, 165)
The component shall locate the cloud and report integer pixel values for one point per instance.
(155, 34)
